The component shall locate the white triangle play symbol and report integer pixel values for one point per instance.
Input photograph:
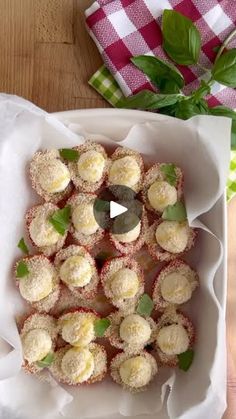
(116, 209)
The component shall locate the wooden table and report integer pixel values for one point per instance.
(47, 57)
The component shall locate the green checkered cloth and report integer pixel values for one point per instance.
(106, 85)
(231, 182)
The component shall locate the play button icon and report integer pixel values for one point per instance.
(116, 209)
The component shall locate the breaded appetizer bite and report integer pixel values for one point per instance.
(38, 337)
(89, 171)
(79, 365)
(123, 282)
(84, 229)
(133, 372)
(76, 327)
(38, 282)
(77, 270)
(126, 169)
(167, 240)
(131, 332)
(175, 335)
(174, 284)
(162, 186)
(50, 176)
(42, 232)
(131, 241)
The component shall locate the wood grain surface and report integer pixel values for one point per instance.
(47, 57)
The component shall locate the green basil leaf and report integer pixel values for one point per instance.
(22, 246)
(203, 107)
(145, 305)
(188, 108)
(169, 86)
(149, 100)
(69, 154)
(168, 110)
(182, 41)
(101, 205)
(21, 269)
(201, 92)
(176, 212)
(46, 361)
(224, 69)
(100, 327)
(61, 219)
(168, 170)
(224, 111)
(186, 359)
(163, 75)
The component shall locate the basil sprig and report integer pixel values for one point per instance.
(176, 212)
(168, 169)
(60, 219)
(46, 361)
(224, 70)
(21, 269)
(186, 359)
(163, 75)
(100, 326)
(69, 154)
(182, 43)
(145, 305)
(23, 246)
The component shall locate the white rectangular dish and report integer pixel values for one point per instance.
(116, 124)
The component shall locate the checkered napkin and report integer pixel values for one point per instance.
(125, 28)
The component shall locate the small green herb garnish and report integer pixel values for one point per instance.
(61, 219)
(100, 326)
(168, 170)
(145, 305)
(101, 205)
(69, 154)
(47, 361)
(186, 359)
(176, 212)
(21, 269)
(22, 246)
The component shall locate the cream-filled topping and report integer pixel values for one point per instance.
(130, 236)
(37, 285)
(36, 344)
(53, 176)
(78, 364)
(76, 271)
(125, 171)
(91, 165)
(136, 372)
(175, 288)
(79, 329)
(84, 220)
(42, 231)
(135, 330)
(124, 283)
(161, 194)
(173, 339)
(172, 236)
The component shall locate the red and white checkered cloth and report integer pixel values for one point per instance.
(125, 28)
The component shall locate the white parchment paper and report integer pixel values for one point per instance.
(201, 146)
